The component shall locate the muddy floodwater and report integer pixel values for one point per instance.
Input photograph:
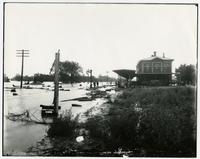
(18, 135)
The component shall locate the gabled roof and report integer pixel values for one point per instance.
(155, 57)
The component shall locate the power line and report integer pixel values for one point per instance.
(22, 53)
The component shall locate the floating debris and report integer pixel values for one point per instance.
(13, 90)
(76, 105)
(49, 106)
(26, 116)
(28, 87)
(48, 110)
(15, 94)
(79, 99)
(80, 139)
(22, 117)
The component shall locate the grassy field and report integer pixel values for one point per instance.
(157, 121)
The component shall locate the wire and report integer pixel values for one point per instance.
(35, 117)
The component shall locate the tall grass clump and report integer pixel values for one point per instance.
(113, 131)
(168, 123)
(64, 126)
(158, 121)
(123, 128)
(99, 132)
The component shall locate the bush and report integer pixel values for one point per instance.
(99, 131)
(155, 121)
(64, 126)
(155, 83)
(123, 128)
(167, 121)
(165, 126)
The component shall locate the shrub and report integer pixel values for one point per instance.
(123, 127)
(98, 131)
(167, 122)
(63, 126)
(155, 83)
(157, 121)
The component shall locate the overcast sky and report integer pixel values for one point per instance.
(101, 37)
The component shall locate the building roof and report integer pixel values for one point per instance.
(155, 57)
(128, 74)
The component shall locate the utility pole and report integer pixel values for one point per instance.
(90, 78)
(56, 82)
(22, 53)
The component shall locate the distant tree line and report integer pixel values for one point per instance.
(42, 77)
(70, 72)
(17, 77)
(5, 78)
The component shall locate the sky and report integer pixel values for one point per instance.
(101, 37)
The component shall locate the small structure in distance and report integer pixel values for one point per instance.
(127, 74)
(154, 69)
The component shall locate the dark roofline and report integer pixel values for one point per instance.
(155, 57)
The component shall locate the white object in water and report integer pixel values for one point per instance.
(80, 139)
(112, 96)
(125, 156)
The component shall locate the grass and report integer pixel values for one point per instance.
(64, 126)
(153, 122)
(159, 121)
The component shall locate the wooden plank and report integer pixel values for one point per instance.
(49, 107)
(76, 105)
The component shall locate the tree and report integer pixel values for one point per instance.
(5, 78)
(28, 78)
(38, 77)
(185, 74)
(17, 77)
(70, 71)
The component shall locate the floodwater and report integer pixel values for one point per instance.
(18, 135)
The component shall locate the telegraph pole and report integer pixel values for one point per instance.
(22, 53)
(56, 82)
(90, 78)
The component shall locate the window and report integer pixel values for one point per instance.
(156, 67)
(147, 67)
(166, 67)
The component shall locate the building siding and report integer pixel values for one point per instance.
(156, 69)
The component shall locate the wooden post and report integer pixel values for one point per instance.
(22, 53)
(56, 82)
(90, 78)
(22, 70)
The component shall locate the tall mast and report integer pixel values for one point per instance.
(22, 53)
(56, 82)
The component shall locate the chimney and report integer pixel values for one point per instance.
(163, 55)
(154, 53)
